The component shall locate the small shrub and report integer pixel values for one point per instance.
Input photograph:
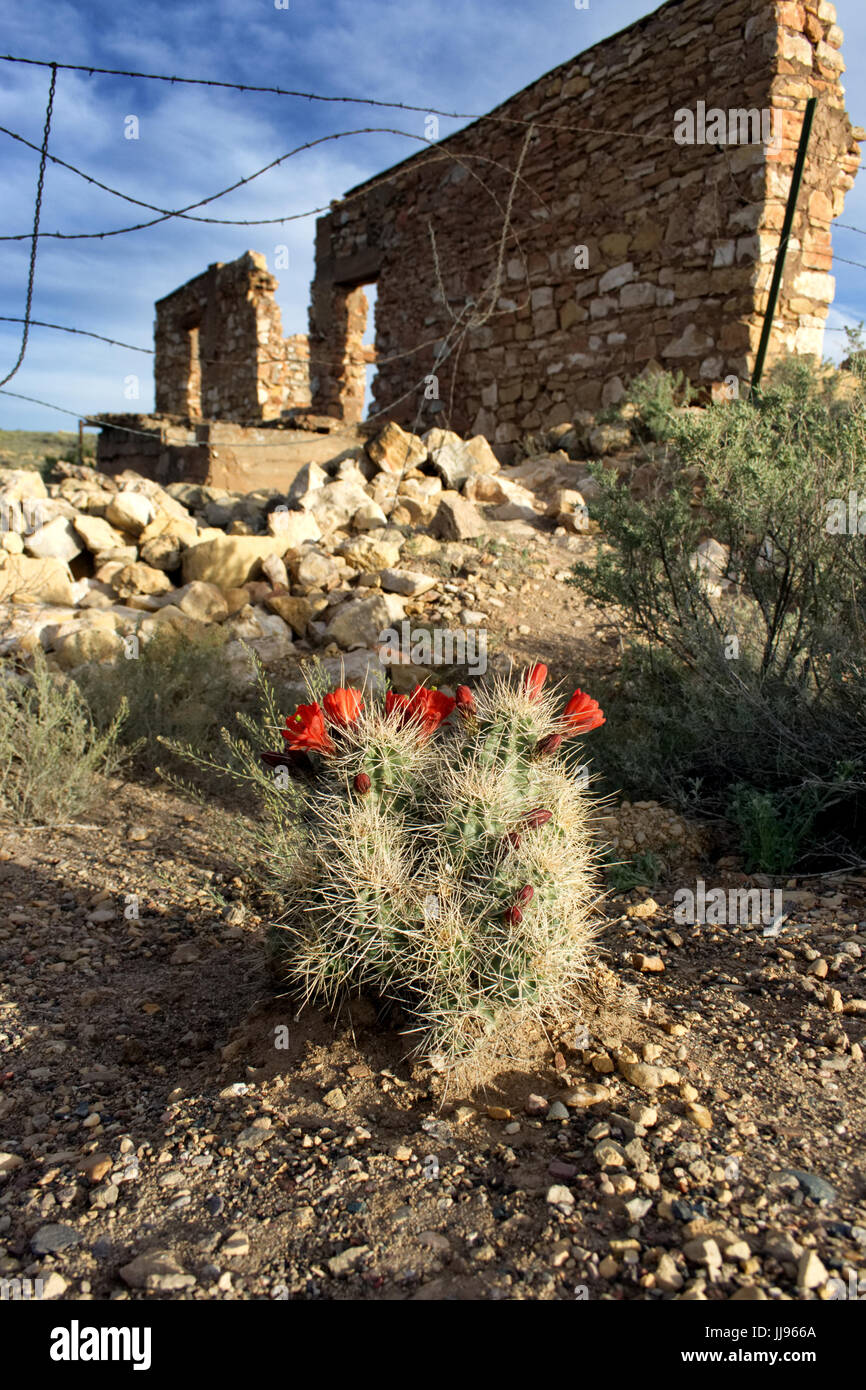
(175, 689)
(752, 672)
(643, 871)
(50, 749)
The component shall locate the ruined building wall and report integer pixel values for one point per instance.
(220, 353)
(679, 238)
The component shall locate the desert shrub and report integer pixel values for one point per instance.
(434, 851)
(746, 668)
(174, 688)
(51, 752)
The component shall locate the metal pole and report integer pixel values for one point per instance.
(778, 272)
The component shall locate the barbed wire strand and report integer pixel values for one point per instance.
(37, 212)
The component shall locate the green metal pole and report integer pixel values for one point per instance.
(778, 272)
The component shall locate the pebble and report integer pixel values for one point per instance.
(811, 1273)
(158, 1271)
(236, 1243)
(607, 1155)
(557, 1111)
(703, 1251)
(582, 1097)
(345, 1262)
(48, 1240)
(559, 1196)
(816, 1188)
(700, 1115)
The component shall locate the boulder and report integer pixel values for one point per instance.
(310, 478)
(130, 512)
(485, 461)
(361, 621)
(202, 601)
(369, 516)
(88, 644)
(97, 534)
(295, 612)
(396, 451)
(568, 508)
(374, 551)
(274, 570)
(314, 569)
(291, 529)
(484, 487)
(408, 583)
(59, 540)
(457, 519)
(230, 561)
(609, 439)
(139, 578)
(48, 580)
(163, 552)
(21, 485)
(452, 460)
(336, 503)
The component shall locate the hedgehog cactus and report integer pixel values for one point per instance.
(446, 860)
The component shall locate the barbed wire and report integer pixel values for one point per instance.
(37, 211)
(167, 214)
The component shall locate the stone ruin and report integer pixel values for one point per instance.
(627, 248)
(220, 351)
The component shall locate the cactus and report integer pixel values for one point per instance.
(446, 859)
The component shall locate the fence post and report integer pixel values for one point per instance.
(779, 270)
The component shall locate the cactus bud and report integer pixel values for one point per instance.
(547, 746)
(526, 894)
(513, 916)
(362, 784)
(537, 817)
(511, 840)
(465, 701)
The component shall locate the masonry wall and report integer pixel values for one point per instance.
(679, 238)
(220, 353)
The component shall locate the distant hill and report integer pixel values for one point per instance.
(37, 448)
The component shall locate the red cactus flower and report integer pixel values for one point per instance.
(526, 894)
(534, 679)
(305, 730)
(537, 817)
(343, 706)
(362, 784)
(581, 714)
(428, 708)
(394, 703)
(513, 916)
(547, 746)
(465, 701)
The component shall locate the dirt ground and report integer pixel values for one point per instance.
(170, 1129)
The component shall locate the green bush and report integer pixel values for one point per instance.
(176, 689)
(751, 674)
(50, 749)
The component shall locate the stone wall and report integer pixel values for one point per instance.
(220, 453)
(678, 239)
(220, 352)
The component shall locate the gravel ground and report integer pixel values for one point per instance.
(169, 1129)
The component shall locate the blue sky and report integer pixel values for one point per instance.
(463, 55)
